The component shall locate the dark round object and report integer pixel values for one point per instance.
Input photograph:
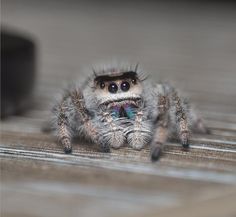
(113, 88)
(125, 86)
(67, 150)
(17, 73)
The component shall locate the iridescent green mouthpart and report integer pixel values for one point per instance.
(115, 112)
(129, 111)
(123, 111)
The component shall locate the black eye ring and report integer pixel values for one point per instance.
(102, 84)
(112, 88)
(125, 86)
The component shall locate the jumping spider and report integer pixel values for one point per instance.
(118, 105)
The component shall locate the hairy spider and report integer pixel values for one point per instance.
(118, 105)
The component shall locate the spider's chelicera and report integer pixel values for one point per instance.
(118, 106)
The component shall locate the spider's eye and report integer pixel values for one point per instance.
(102, 85)
(134, 81)
(112, 88)
(125, 86)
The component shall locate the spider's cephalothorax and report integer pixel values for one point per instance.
(118, 106)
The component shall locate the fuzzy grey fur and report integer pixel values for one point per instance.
(159, 113)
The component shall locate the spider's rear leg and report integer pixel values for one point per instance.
(197, 125)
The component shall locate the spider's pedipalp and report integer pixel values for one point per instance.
(139, 133)
(113, 134)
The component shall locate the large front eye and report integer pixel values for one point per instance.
(125, 86)
(112, 88)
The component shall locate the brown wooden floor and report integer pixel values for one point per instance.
(192, 46)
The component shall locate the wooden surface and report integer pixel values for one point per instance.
(193, 46)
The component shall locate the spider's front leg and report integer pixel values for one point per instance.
(104, 131)
(139, 134)
(112, 131)
(90, 128)
(62, 123)
(70, 115)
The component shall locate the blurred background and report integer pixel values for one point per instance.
(191, 44)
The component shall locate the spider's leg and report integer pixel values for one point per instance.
(197, 125)
(159, 137)
(181, 118)
(139, 134)
(62, 125)
(112, 131)
(89, 127)
(161, 131)
(107, 132)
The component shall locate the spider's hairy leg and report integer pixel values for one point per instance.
(197, 125)
(89, 128)
(181, 118)
(62, 125)
(112, 132)
(139, 134)
(161, 131)
(159, 137)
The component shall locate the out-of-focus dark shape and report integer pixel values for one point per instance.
(17, 72)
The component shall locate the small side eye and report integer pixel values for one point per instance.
(102, 84)
(134, 81)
